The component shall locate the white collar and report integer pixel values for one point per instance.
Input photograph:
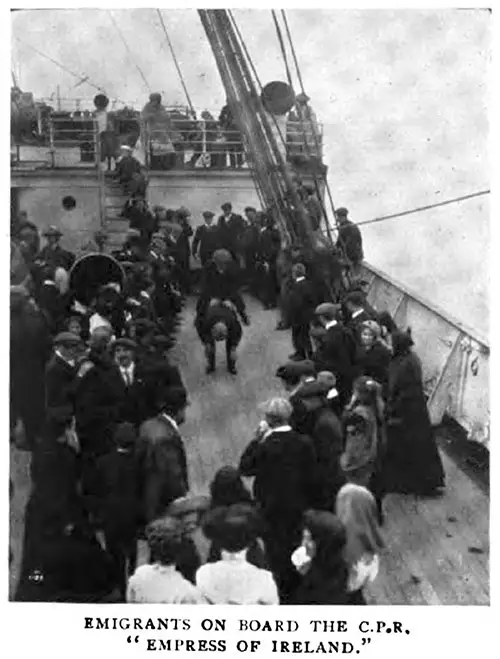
(234, 557)
(300, 279)
(172, 421)
(357, 313)
(49, 282)
(128, 369)
(333, 393)
(310, 379)
(66, 361)
(271, 431)
(331, 323)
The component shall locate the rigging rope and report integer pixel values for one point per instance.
(158, 11)
(282, 46)
(61, 66)
(424, 208)
(141, 73)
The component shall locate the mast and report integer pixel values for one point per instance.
(264, 154)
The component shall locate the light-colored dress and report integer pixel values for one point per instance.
(161, 584)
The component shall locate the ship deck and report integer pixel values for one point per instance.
(437, 549)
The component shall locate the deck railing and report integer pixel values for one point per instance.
(72, 141)
(455, 358)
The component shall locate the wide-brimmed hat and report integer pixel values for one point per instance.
(292, 371)
(187, 505)
(328, 309)
(52, 231)
(124, 342)
(67, 338)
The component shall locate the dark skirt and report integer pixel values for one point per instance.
(412, 463)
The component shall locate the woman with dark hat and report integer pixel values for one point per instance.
(413, 464)
(159, 582)
(320, 560)
(233, 580)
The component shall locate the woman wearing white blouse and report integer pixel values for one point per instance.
(233, 580)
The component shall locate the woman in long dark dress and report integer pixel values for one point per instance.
(412, 463)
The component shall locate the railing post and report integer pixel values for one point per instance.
(52, 149)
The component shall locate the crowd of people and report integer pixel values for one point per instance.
(98, 402)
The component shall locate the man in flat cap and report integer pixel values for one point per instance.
(231, 226)
(302, 301)
(55, 458)
(207, 239)
(336, 352)
(349, 241)
(183, 251)
(294, 374)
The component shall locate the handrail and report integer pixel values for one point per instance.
(436, 309)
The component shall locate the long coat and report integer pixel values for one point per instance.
(412, 462)
(29, 351)
(207, 239)
(336, 354)
(375, 363)
(163, 466)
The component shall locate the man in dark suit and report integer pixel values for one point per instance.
(357, 314)
(118, 502)
(221, 281)
(337, 351)
(206, 239)
(232, 226)
(301, 303)
(219, 323)
(53, 254)
(55, 458)
(350, 241)
(161, 454)
(284, 466)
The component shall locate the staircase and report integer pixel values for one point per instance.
(114, 201)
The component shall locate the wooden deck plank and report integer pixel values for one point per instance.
(224, 417)
(220, 423)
